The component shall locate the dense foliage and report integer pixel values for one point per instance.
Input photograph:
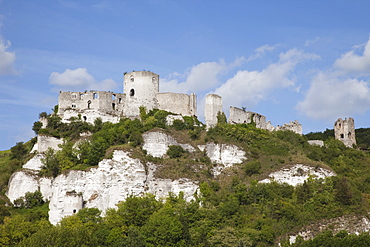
(232, 209)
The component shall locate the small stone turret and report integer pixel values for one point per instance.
(344, 130)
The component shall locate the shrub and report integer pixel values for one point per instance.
(252, 167)
(175, 151)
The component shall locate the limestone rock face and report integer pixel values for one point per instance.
(225, 155)
(101, 187)
(353, 224)
(25, 181)
(297, 174)
(156, 143)
(316, 142)
(34, 163)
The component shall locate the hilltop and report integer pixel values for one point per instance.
(229, 206)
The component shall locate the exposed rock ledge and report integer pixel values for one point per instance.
(225, 155)
(156, 143)
(297, 174)
(101, 187)
(351, 223)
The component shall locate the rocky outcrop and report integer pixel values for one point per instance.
(225, 155)
(316, 142)
(101, 187)
(297, 174)
(156, 143)
(25, 181)
(35, 163)
(351, 223)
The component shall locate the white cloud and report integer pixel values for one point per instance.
(7, 59)
(253, 86)
(313, 41)
(199, 78)
(338, 92)
(330, 97)
(260, 51)
(353, 63)
(79, 79)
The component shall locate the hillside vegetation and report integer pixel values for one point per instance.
(232, 209)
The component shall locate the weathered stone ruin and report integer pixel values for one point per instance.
(213, 106)
(344, 130)
(141, 88)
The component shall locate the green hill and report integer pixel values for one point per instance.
(232, 209)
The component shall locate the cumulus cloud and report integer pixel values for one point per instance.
(199, 78)
(79, 79)
(251, 87)
(331, 96)
(342, 90)
(350, 62)
(7, 59)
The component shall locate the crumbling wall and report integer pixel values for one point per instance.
(344, 130)
(212, 107)
(178, 103)
(72, 104)
(294, 126)
(44, 142)
(239, 116)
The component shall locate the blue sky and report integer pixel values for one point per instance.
(288, 60)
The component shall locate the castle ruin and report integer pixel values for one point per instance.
(141, 88)
(213, 106)
(344, 130)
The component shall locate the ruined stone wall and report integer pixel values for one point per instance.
(239, 116)
(212, 107)
(140, 88)
(104, 102)
(178, 103)
(291, 126)
(344, 130)
(44, 142)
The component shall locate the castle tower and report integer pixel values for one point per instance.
(344, 130)
(212, 107)
(140, 88)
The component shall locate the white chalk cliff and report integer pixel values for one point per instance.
(224, 155)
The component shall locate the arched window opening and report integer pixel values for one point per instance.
(132, 92)
(95, 96)
(113, 96)
(119, 100)
(85, 118)
(132, 78)
(88, 104)
(342, 136)
(113, 106)
(74, 211)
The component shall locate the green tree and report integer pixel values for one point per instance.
(51, 166)
(175, 151)
(19, 151)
